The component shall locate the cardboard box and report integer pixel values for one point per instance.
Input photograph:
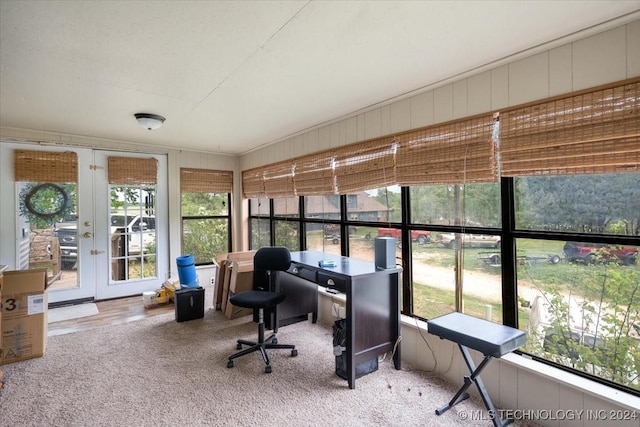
(228, 279)
(223, 286)
(220, 261)
(241, 280)
(23, 333)
(223, 275)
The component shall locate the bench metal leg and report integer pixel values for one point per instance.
(474, 378)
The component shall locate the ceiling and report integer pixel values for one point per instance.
(231, 76)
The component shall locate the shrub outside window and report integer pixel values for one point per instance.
(579, 299)
(205, 212)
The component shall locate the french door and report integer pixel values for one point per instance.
(131, 211)
(101, 235)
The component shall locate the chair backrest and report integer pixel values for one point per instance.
(266, 260)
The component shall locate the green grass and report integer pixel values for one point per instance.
(536, 271)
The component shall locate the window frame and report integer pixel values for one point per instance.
(485, 153)
(508, 233)
(208, 181)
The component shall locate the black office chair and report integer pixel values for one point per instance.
(263, 296)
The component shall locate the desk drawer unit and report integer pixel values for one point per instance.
(332, 281)
(301, 299)
(304, 272)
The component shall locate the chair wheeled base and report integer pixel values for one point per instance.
(261, 345)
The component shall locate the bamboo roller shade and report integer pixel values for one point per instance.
(45, 166)
(314, 174)
(449, 153)
(278, 180)
(461, 151)
(307, 175)
(132, 170)
(365, 165)
(273, 182)
(194, 180)
(593, 132)
(253, 183)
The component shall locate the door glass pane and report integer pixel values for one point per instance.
(47, 230)
(132, 232)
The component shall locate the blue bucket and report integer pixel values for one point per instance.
(187, 271)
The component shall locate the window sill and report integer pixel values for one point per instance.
(583, 385)
(576, 382)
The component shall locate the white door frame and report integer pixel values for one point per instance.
(92, 209)
(105, 287)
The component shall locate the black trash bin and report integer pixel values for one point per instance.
(189, 304)
(340, 346)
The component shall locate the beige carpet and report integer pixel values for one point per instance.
(157, 372)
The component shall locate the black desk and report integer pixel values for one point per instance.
(372, 305)
(490, 339)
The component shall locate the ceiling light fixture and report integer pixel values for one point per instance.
(149, 121)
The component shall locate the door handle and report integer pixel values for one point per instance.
(87, 234)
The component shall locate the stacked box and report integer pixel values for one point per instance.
(23, 315)
(223, 278)
(241, 280)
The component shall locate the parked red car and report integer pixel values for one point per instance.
(419, 236)
(589, 253)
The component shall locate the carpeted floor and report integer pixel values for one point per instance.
(157, 372)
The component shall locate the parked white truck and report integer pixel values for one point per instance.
(139, 230)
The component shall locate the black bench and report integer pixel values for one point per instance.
(490, 339)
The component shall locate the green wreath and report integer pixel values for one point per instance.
(31, 199)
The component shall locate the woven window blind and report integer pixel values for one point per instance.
(450, 153)
(132, 170)
(278, 180)
(253, 183)
(596, 131)
(205, 181)
(272, 181)
(365, 165)
(45, 166)
(314, 174)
